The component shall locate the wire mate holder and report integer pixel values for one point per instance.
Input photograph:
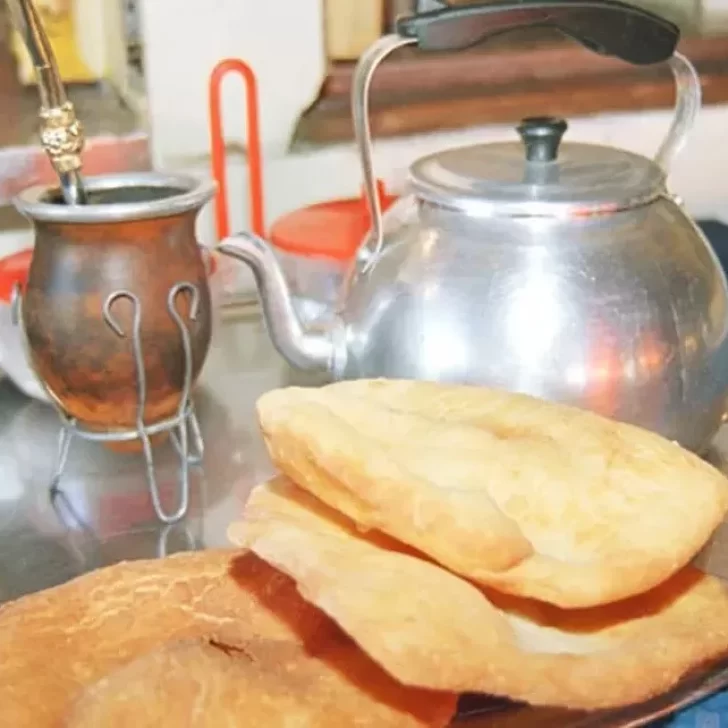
(183, 426)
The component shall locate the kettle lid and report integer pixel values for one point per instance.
(537, 177)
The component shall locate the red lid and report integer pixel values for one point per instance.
(14, 269)
(333, 229)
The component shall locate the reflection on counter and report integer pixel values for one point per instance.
(103, 512)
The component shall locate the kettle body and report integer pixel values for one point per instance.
(625, 314)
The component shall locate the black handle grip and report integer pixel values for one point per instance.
(608, 27)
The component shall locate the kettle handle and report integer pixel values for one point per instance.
(607, 27)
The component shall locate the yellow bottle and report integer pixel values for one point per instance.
(69, 28)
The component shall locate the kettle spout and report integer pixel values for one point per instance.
(301, 348)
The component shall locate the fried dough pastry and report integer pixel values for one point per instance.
(264, 683)
(534, 498)
(430, 628)
(56, 642)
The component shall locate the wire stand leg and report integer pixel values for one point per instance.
(177, 424)
(64, 445)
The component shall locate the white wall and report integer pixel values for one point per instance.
(282, 40)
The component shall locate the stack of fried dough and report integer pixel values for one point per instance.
(214, 639)
(471, 540)
(422, 541)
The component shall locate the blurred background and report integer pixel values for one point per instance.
(138, 72)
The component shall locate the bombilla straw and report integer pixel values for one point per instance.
(61, 133)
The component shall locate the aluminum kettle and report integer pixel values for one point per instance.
(562, 270)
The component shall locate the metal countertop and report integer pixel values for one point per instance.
(103, 513)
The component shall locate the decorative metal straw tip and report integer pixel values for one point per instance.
(61, 133)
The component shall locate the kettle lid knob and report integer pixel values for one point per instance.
(541, 136)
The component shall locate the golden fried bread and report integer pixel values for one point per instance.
(534, 498)
(271, 684)
(430, 628)
(56, 642)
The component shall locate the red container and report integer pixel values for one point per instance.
(315, 244)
